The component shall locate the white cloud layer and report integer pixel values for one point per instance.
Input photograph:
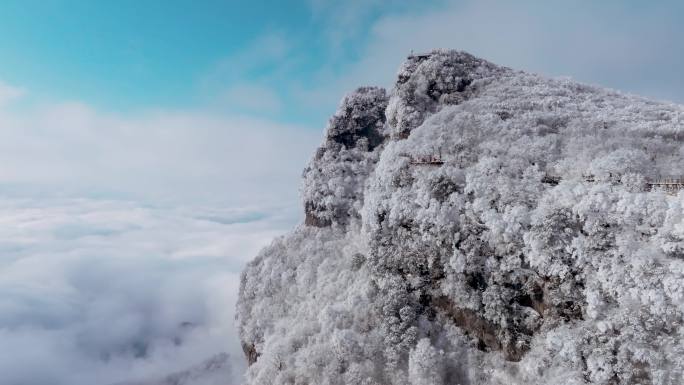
(96, 291)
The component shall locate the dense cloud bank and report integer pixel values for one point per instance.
(491, 227)
(103, 292)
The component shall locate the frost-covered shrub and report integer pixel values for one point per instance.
(426, 82)
(426, 364)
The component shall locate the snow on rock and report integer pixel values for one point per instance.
(532, 253)
(427, 82)
(334, 180)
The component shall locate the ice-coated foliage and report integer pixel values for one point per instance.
(423, 86)
(533, 252)
(333, 182)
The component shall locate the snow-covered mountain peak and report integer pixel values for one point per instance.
(479, 225)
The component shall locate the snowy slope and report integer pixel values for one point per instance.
(478, 225)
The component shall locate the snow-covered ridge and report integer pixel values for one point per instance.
(476, 269)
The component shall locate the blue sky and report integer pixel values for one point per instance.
(129, 54)
(132, 55)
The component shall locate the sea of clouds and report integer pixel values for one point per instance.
(122, 237)
(99, 291)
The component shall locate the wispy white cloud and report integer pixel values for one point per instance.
(9, 93)
(70, 148)
(250, 98)
(623, 45)
(587, 40)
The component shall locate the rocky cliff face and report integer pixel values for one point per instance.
(478, 225)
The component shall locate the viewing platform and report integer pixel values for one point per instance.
(420, 56)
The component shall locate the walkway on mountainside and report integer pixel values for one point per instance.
(426, 160)
(670, 185)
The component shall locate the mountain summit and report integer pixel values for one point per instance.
(479, 225)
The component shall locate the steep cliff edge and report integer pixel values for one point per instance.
(478, 225)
